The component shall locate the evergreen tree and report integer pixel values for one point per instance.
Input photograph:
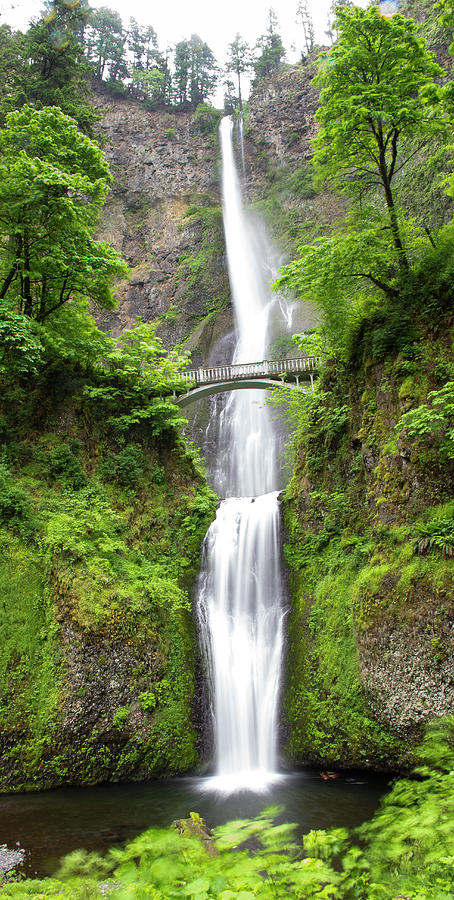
(304, 17)
(231, 101)
(54, 70)
(238, 62)
(195, 72)
(272, 52)
(181, 73)
(143, 44)
(105, 40)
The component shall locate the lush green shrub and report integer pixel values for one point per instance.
(437, 534)
(432, 423)
(125, 467)
(13, 500)
(61, 462)
(207, 118)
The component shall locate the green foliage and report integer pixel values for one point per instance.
(195, 73)
(49, 67)
(30, 664)
(13, 500)
(281, 347)
(59, 462)
(239, 61)
(409, 841)
(301, 180)
(432, 423)
(343, 274)
(53, 182)
(121, 717)
(21, 349)
(207, 118)
(105, 41)
(310, 343)
(134, 379)
(270, 49)
(437, 533)
(378, 90)
(126, 467)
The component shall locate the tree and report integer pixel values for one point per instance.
(231, 101)
(55, 71)
(53, 182)
(150, 85)
(195, 72)
(337, 274)
(271, 48)
(304, 17)
(181, 75)
(105, 40)
(378, 106)
(238, 62)
(143, 44)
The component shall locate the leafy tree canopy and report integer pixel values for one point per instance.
(52, 69)
(378, 95)
(53, 182)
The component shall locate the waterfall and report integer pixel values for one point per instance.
(240, 589)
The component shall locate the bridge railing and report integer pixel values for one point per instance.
(267, 367)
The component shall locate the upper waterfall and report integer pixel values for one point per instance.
(251, 468)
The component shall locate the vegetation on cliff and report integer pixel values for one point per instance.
(369, 509)
(103, 509)
(97, 490)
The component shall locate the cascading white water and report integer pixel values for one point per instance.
(240, 608)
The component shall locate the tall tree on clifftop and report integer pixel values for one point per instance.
(238, 62)
(195, 72)
(304, 17)
(378, 106)
(55, 71)
(105, 40)
(271, 48)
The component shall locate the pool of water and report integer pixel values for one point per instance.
(52, 823)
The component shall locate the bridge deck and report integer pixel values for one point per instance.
(269, 368)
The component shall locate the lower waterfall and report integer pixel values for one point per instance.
(240, 617)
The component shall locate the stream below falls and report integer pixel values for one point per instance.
(49, 824)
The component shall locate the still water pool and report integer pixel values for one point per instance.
(52, 823)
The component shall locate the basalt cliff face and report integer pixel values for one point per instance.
(164, 210)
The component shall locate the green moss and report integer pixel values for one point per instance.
(111, 555)
(30, 661)
(326, 707)
(370, 546)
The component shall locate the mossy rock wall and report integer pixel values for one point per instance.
(371, 632)
(100, 541)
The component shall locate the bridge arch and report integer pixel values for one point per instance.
(205, 390)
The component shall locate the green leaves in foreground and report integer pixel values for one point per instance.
(407, 850)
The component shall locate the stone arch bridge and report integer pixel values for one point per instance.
(263, 375)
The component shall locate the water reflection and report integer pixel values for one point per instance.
(53, 823)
